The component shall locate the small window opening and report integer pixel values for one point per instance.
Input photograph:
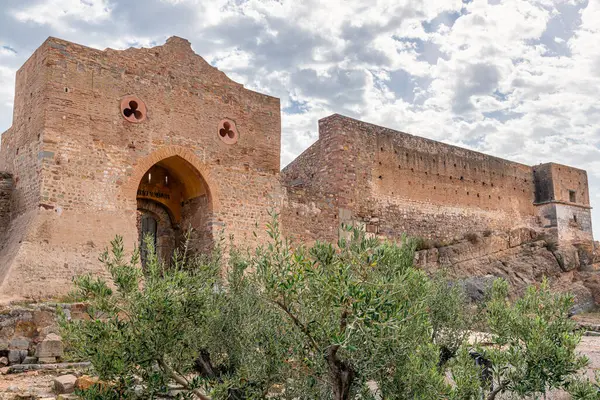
(166, 181)
(149, 177)
(574, 218)
(133, 110)
(572, 196)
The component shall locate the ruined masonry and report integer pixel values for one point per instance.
(155, 141)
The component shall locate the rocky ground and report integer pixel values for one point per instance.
(40, 384)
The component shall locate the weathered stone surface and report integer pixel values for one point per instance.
(477, 264)
(29, 360)
(521, 235)
(19, 343)
(16, 356)
(65, 384)
(567, 257)
(47, 360)
(476, 287)
(3, 361)
(51, 346)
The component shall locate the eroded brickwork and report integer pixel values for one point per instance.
(392, 183)
(6, 187)
(78, 162)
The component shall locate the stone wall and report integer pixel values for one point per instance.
(397, 183)
(89, 126)
(6, 187)
(30, 333)
(78, 161)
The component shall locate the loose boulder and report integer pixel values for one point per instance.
(65, 384)
(50, 348)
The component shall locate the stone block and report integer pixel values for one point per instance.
(3, 361)
(19, 343)
(65, 384)
(25, 329)
(567, 257)
(47, 360)
(44, 318)
(29, 360)
(521, 235)
(16, 356)
(51, 346)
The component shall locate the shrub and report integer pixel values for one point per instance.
(313, 323)
(177, 325)
(532, 344)
(487, 233)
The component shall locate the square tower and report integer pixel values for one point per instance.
(129, 142)
(563, 201)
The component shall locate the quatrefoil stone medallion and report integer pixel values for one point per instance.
(133, 109)
(228, 132)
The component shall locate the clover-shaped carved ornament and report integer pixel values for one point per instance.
(228, 132)
(133, 109)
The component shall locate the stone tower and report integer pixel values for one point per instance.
(107, 143)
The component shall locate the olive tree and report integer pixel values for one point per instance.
(531, 347)
(188, 326)
(350, 320)
(360, 315)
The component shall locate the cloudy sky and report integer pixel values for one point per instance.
(518, 79)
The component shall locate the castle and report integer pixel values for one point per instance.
(156, 140)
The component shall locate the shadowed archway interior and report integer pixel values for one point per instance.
(172, 199)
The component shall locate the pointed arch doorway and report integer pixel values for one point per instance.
(172, 197)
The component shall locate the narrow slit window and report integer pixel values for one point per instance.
(572, 196)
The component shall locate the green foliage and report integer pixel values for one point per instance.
(358, 313)
(533, 342)
(353, 320)
(175, 325)
(584, 389)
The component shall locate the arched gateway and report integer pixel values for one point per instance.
(173, 197)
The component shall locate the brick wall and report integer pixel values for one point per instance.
(80, 163)
(397, 183)
(6, 187)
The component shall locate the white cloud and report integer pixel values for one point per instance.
(55, 12)
(514, 78)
